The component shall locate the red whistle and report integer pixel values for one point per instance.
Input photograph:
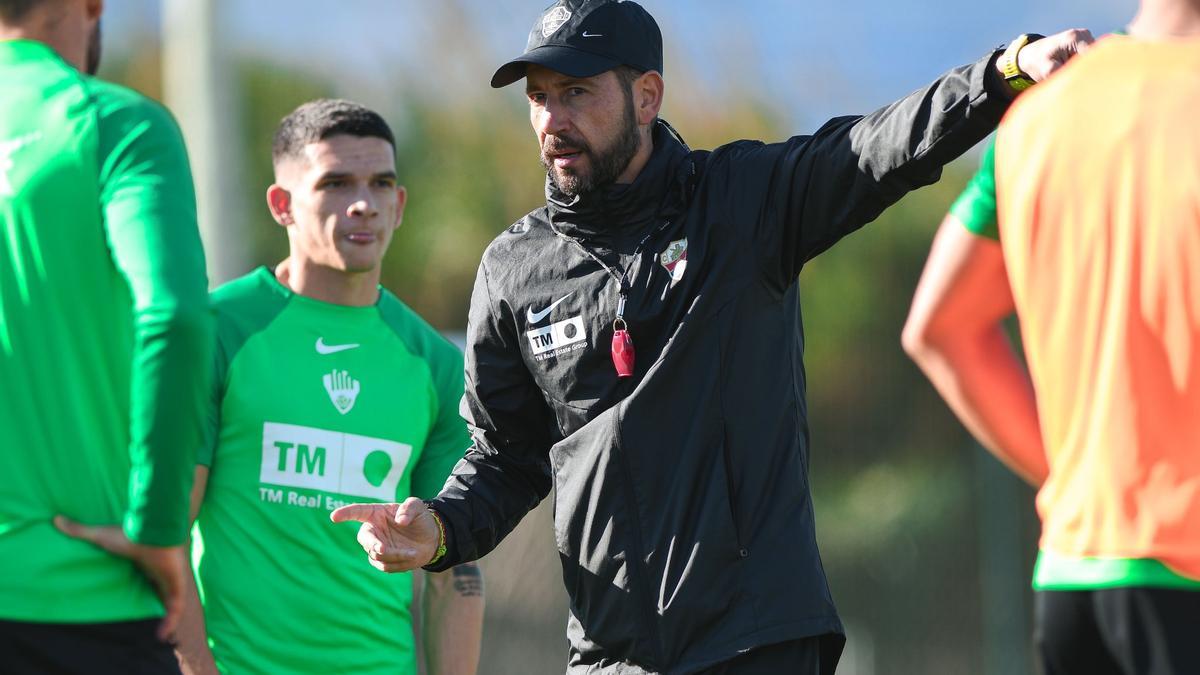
(622, 352)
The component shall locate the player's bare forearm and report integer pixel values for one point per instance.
(986, 386)
(452, 620)
(955, 333)
(191, 647)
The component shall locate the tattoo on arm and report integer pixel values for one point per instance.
(468, 580)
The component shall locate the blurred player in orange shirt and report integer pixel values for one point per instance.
(1097, 250)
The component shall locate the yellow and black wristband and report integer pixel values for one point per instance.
(441, 549)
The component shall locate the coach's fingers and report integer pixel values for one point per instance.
(360, 512)
(391, 568)
(369, 539)
(111, 538)
(403, 554)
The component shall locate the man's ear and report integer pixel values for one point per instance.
(401, 200)
(94, 9)
(279, 201)
(648, 96)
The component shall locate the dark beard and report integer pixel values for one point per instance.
(93, 50)
(606, 166)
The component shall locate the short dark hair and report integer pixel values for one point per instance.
(320, 119)
(12, 11)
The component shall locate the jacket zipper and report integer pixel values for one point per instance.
(637, 565)
(742, 551)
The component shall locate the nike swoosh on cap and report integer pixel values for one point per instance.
(323, 348)
(587, 34)
(535, 317)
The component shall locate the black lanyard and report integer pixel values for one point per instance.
(622, 279)
(622, 342)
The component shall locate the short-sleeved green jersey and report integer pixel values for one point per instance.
(316, 405)
(104, 333)
(975, 208)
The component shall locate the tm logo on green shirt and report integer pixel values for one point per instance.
(329, 461)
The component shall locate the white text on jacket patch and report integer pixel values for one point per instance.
(558, 338)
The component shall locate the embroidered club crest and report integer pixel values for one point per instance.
(674, 259)
(554, 20)
(343, 390)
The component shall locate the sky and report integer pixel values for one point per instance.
(814, 60)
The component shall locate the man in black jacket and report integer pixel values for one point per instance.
(636, 344)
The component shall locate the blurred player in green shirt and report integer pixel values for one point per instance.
(328, 390)
(104, 330)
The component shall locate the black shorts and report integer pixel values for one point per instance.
(1118, 631)
(123, 647)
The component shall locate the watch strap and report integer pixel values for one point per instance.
(1016, 78)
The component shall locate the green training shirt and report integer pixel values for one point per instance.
(104, 330)
(975, 208)
(317, 405)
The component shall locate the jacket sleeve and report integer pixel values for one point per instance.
(506, 472)
(805, 194)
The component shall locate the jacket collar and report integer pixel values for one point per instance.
(659, 192)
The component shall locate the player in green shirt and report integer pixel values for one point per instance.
(328, 390)
(104, 330)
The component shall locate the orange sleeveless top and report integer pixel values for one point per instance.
(1098, 196)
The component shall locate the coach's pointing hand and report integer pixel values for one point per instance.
(396, 537)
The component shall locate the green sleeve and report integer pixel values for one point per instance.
(241, 308)
(149, 212)
(448, 439)
(212, 407)
(975, 208)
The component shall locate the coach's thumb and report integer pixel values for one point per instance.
(409, 511)
(358, 512)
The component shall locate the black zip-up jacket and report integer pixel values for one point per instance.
(683, 515)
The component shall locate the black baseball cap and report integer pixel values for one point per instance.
(582, 38)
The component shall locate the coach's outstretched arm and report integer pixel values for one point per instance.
(811, 191)
(820, 188)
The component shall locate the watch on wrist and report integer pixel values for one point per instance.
(1016, 78)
